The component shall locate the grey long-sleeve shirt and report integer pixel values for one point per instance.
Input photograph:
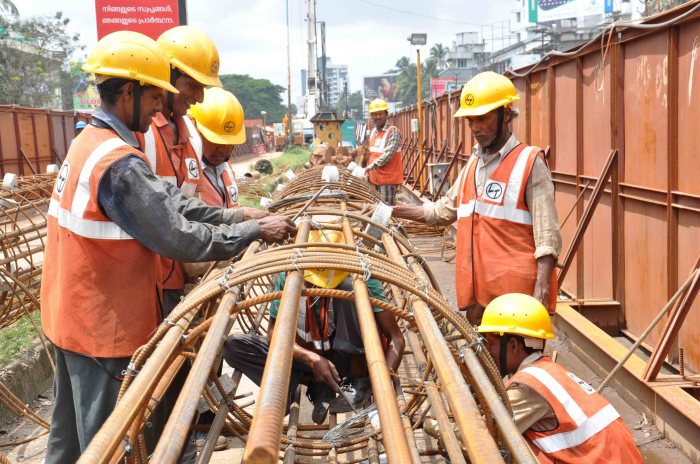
(160, 217)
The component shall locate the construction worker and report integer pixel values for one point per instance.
(508, 237)
(328, 344)
(385, 163)
(173, 145)
(109, 217)
(219, 120)
(563, 419)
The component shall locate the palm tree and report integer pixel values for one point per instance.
(7, 6)
(439, 53)
(402, 64)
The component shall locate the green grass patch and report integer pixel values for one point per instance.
(18, 337)
(293, 158)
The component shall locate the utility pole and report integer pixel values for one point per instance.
(290, 125)
(312, 80)
(345, 114)
(324, 82)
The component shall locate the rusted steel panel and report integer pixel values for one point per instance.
(520, 123)
(597, 249)
(565, 117)
(645, 262)
(43, 156)
(689, 248)
(566, 198)
(596, 113)
(688, 103)
(539, 110)
(9, 155)
(646, 102)
(25, 130)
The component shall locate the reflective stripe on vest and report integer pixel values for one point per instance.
(509, 210)
(150, 149)
(195, 139)
(587, 427)
(82, 192)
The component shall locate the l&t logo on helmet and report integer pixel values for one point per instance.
(215, 67)
(469, 99)
(228, 127)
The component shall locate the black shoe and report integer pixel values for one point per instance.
(358, 390)
(320, 395)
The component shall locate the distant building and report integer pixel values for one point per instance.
(464, 57)
(336, 77)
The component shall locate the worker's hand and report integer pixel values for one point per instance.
(254, 213)
(368, 209)
(325, 371)
(541, 293)
(276, 229)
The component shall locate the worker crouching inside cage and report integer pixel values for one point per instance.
(328, 352)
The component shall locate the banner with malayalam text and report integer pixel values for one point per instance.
(149, 17)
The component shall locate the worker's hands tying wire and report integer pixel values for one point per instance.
(276, 229)
(368, 209)
(254, 213)
(325, 372)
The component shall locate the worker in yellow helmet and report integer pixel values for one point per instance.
(508, 236)
(219, 121)
(108, 221)
(328, 344)
(563, 419)
(385, 162)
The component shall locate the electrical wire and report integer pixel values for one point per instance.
(413, 13)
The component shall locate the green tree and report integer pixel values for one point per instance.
(354, 103)
(407, 81)
(6, 6)
(438, 54)
(257, 95)
(34, 67)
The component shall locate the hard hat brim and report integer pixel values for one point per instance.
(202, 78)
(231, 139)
(483, 109)
(501, 330)
(118, 73)
(331, 280)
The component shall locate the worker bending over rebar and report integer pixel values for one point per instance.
(328, 353)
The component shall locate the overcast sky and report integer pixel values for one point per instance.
(367, 35)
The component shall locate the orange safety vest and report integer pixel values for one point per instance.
(392, 172)
(177, 164)
(210, 195)
(99, 290)
(590, 429)
(495, 242)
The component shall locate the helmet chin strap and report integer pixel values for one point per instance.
(501, 117)
(136, 117)
(502, 366)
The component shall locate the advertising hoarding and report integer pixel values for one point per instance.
(441, 85)
(553, 10)
(383, 87)
(149, 17)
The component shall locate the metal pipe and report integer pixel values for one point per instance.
(290, 452)
(218, 423)
(480, 445)
(265, 433)
(395, 442)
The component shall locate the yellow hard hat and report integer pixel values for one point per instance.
(192, 52)
(130, 55)
(485, 92)
(518, 314)
(325, 278)
(378, 105)
(220, 117)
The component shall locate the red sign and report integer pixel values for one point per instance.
(438, 85)
(149, 17)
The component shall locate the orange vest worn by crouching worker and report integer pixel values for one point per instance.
(590, 429)
(177, 164)
(210, 194)
(495, 241)
(99, 291)
(392, 172)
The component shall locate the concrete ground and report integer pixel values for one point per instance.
(655, 448)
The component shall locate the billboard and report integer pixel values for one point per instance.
(149, 17)
(383, 86)
(85, 96)
(441, 85)
(553, 10)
